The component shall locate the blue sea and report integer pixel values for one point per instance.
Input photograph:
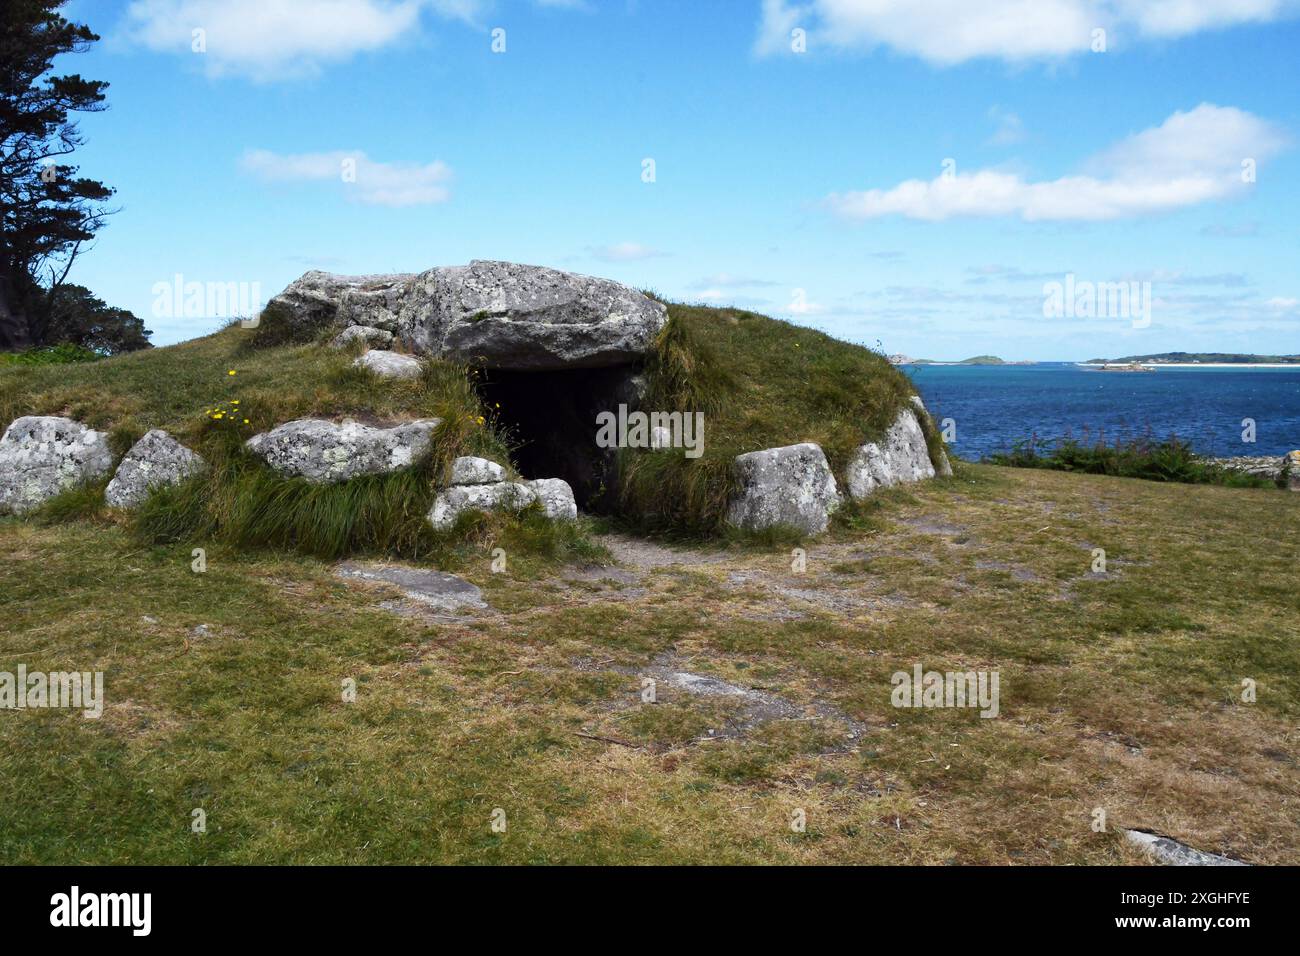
(996, 406)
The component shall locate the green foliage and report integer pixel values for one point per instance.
(65, 353)
(79, 317)
(48, 210)
(1168, 460)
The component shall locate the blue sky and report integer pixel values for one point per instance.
(808, 185)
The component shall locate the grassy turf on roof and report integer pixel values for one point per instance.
(761, 383)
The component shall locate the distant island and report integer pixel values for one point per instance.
(900, 359)
(1198, 358)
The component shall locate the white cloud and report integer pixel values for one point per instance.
(1190, 158)
(367, 181)
(625, 252)
(1280, 302)
(266, 40)
(278, 39)
(1175, 18)
(945, 32)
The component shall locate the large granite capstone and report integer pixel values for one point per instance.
(325, 452)
(492, 314)
(43, 455)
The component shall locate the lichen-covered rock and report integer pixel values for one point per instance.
(155, 460)
(389, 364)
(495, 314)
(556, 498)
(43, 455)
(452, 502)
(368, 335)
(900, 457)
(1172, 853)
(325, 452)
(468, 470)
(1292, 467)
(792, 485)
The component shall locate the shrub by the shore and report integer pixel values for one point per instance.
(1168, 460)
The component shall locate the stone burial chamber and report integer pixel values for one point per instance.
(549, 350)
(556, 358)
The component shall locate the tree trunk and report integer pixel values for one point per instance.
(14, 334)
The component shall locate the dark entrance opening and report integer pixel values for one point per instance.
(550, 420)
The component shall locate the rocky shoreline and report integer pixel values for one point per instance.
(1266, 466)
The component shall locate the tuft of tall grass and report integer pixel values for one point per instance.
(240, 501)
(685, 371)
(275, 327)
(662, 492)
(78, 503)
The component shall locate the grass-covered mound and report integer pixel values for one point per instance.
(759, 382)
(215, 392)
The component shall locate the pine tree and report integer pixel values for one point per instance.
(47, 212)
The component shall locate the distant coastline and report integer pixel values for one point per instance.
(1131, 362)
(1192, 364)
(1201, 360)
(900, 359)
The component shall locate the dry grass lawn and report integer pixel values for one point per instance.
(1120, 691)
